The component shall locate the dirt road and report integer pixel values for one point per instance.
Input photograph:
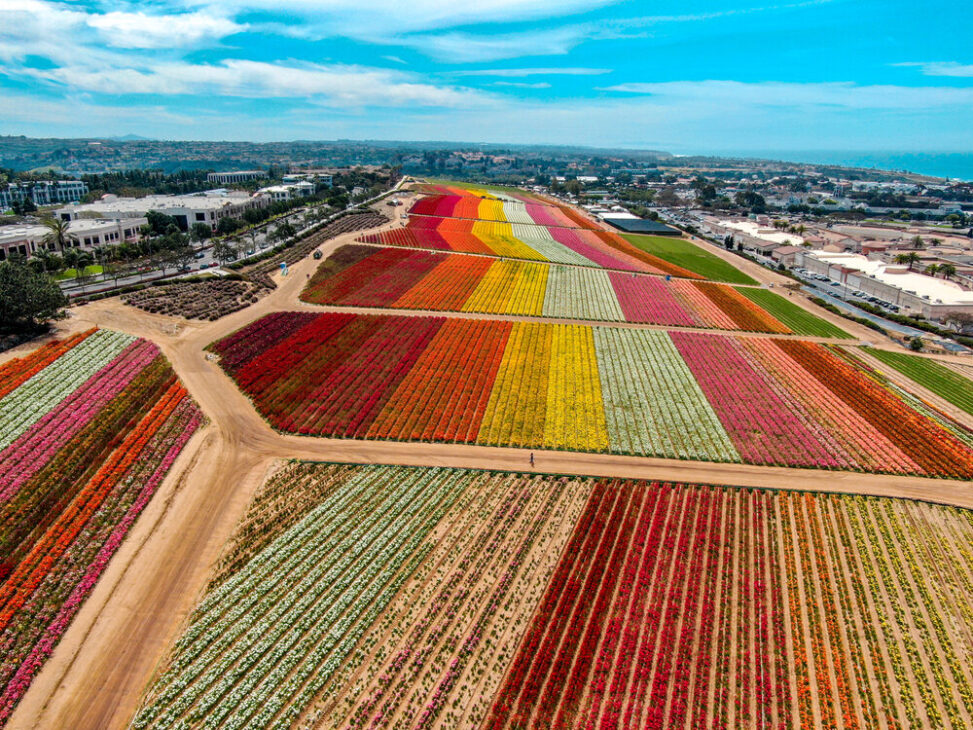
(97, 673)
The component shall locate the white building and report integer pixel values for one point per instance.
(43, 192)
(281, 193)
(83, 234)
(209, 208)
(323, 178)
(916, 293)
(227, 178)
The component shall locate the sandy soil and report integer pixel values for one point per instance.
(97, 673)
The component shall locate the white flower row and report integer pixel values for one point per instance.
(581, 294)
(231, 666)
(653, 405)
(541, 240)
(27, 404)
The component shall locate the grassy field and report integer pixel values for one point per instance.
(690, 256)
(930, 374)
(797, 318)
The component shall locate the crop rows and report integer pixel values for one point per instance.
(941, 380)
(672, 394)
(365, 276)
(575, 246)
(491, 209)
(402, 597)
(89, 427)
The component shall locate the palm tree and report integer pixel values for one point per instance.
(59, 234)
(911, 259)
(931, 270)
(947, 270)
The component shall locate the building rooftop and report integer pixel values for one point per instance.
(938, 291)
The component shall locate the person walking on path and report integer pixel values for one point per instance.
(532, 458)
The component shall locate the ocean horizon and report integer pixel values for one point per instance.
(954, 165)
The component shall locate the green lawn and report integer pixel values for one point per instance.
(684, 253)
(797, 318)
(942, 381)
(71, 273)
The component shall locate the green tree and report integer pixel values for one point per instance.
(58, 234)
(27, 298)
(915, 344)
(223, 251)
(199, 232)
(911, 259)
(227, 226)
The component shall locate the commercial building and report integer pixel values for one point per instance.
(227, 178)
(280, 193)
(84, 234)
(913, 292)
(43, 192)
(209, 207)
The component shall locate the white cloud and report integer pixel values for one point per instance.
(840, 95)
(348, 85)
(383, 18)
(138, 30)
(456, 47)
(522, 72)
(522, 85)
(943, 68)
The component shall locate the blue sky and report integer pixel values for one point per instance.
(688, 77)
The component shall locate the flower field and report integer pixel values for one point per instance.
(941, 380)
(371, 596)
(676, 394)
(575, 246)
(492, 209)
(366, 276)
(89, 427)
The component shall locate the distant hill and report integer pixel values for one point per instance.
(131, 138)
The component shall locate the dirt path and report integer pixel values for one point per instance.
(98, 671)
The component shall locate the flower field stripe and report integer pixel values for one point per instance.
(525, 678)
(574, 677)
(935, 376)
(544, 242)
(648, 299)
(15, 372)
(746, 314)
(510, 287)
(241, 606)
(798, 319)
(448, 286)
(517, 408)
(653, 405)
(764, 428)
(703, 308)
(28, 454)
(575, 293)
(293, 356)
(342, 405)
(585, 244)
(932, 447)
(58, 537)
(619, 245)
(241, 347)
(854, 441)
(25, 405)
(430, 404)
(266, 661)
(575, 408)
(182, 426)
(394, 280)
(366, 277)
(499, 237)
(44, 496)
